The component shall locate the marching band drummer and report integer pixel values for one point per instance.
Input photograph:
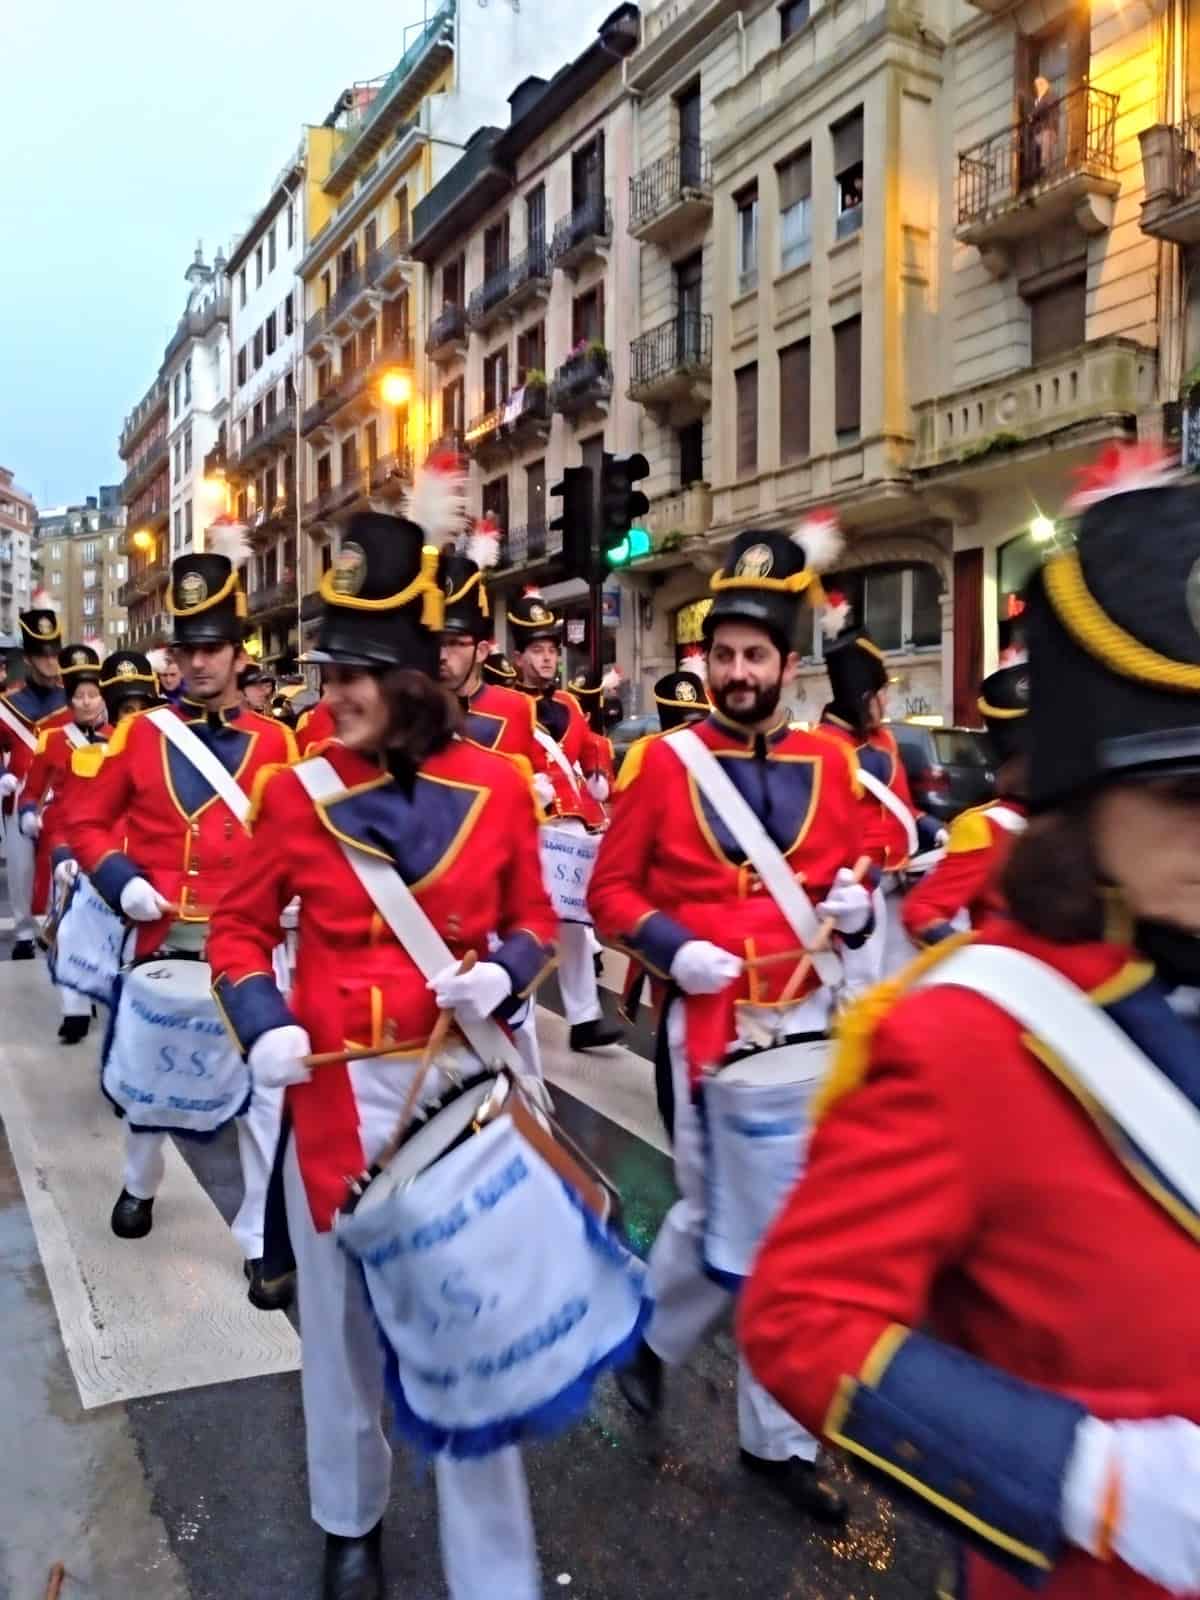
(159, 842)
(965, 884)
(458, 823)
(44, 809)
(984, 1288)
(675, 887)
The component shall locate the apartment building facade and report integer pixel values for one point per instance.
(84, 567)
(196, 373)
(258, 452)
(528, 281)
(18, 520)
(146, 496)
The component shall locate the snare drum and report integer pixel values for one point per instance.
(168, 1061)
(756, 1115)
(568, 855)
(89, 944)
(499, 1281)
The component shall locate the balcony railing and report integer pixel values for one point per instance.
(523, 545)
(586, 230)
(321, 410)
(272, 597)
(1171, 167)
(484, 430)
(1065, 137)
(682, 175)
(315, 326)
(678, 347)
(385, 258)
(391, 472)
(196, 324)
(394, 351)
(143, 470)
(347, 292)
(447, 331)
(492, 292)
(583, 382)
(271, 435)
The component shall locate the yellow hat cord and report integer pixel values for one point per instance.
(1096, 632)
(1002, 712)
(475, 578)
(229, 587)
(424, 585)
(805, 582)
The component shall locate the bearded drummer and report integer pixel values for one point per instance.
(674, 887)
(410, 791)
(577, 807)
(160, 842)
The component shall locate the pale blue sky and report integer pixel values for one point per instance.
(134, 128)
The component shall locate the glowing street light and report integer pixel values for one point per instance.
(1042, 529)
(395, 387)
(143, 539)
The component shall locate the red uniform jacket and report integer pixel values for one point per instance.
(465, 840)
(504, 720)
(148, 812)
(36, 710)
(566, 723)
(668, 871)
(314, 727)
(959, 1185)
(884, 840)
(49, 789)
(967, 878)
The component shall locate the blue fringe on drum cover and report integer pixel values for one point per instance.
(168, 1064)
(500, 1297)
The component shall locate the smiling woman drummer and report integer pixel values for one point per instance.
(401, 795)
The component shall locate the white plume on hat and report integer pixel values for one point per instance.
(834, 615)
(227, 537)
(695, 660)
(611, 681)
(43, 600)
(531, 592)
(482, 544)
(159, 660)
(437, 501)
(820, 537)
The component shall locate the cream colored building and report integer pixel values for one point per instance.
(84, 567)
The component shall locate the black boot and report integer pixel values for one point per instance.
(132, 1218)
(23, 950)
(800, 1485)
(73, 1029)
(641, 1382)
(269, 1294)
(353, 1567)
(594, 1035)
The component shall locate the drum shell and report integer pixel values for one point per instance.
(568, 856)
(89, 944)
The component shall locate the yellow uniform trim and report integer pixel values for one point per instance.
(631, 767)
(475, 578)
(258, 790)
(1091, 627)
(999, 711)
(704, 705)
(970, 831)
(425, 584)
(87, 760)
(1134, 975)
(882, 1353)
(229, 587)
(798, 583)
(871, 648)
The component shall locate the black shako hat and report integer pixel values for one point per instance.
(41, 630)
(497, 668)
(126, 675)
(768, 571)
(1004, 706)
(78, 663)
(460, 575)
(382, 603)
(531, 618)
(1113, 628)
(206, 600)
(681, 698)
(854, 662)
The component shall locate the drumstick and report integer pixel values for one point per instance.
(55, 1581)
(372, 1052)
(792, 988)
(437, 1039)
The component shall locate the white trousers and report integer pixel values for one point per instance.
(485, 1523)
(73, 1003)
(21, 854)
(257, 1134)
(577, 973)
(525, 1039)
(686, 1301)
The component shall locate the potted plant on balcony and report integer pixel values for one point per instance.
(535, 378)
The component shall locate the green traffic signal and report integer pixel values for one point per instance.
(636, 544)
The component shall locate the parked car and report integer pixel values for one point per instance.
(949, 769)
(629, 732)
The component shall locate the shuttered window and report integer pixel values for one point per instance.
(848, 173)
(1057, 319)
(847, 378)
(795, 210)
(746, 381)
(795, 376)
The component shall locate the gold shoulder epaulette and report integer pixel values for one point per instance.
(87, 760)
(969, 831)
(632, 765)
(257, 790)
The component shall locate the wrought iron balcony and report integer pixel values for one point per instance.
(272, 597)
(523, 279)
(484, 432)
(527, 415)
(387, 265)
(314, 328)
(1171, 166)
(583, 383)
(672, 194)
(395, 351)
(149, 408)
(279, 431)
(321, 504)
(483, 306)
(339, 312)
(585, 233)
(1058, 162)
(196, 324)
(520, 546)
(392, 473)
(447, 335)
(317, 416)
(140, 473)
(673, 362)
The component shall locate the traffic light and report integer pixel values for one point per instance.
(621, 505)
(575, 521)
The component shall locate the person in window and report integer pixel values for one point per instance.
(983, 1287)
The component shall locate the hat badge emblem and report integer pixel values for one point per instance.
(1021, 689)
(755, 562)
(448, 586)
(193, 591)
(79, 658)
(45, 627)
(685, 691)
(1193, 596)
(126, 669)
(538, 613)
(350, 570)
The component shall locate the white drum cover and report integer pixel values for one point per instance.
(568, 855)
(757, 1121)
(89, 947)
(500, 1298)
(169, 1062)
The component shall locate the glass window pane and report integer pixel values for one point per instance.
(926, 606)
(882, 608)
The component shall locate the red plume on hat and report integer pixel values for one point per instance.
(1122, 469)
(483, 543)
(835, 613)
(43, 600)
(695, 660)
(820, 537)
(437, 501)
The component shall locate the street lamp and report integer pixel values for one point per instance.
(143, 539)
(395, 387)
(1042, 529)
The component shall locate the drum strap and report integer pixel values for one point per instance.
(201, 757)
(74, 736)
(558, 755)
(758, 847)
(891, 801)
(1008, 819)
(12, 721)
(397, 905)
(1102, 1058)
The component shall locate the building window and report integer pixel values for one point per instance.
(452, 407)
(371, 432)
(241, 366)
(587, 317)
(324, 472)
(257, 416)
(535, 494)
(370, 239)
(270, 334)
(187, 451)
(326, 287)
(289, 317)
(531, 352)
(258, 266)
(792, 17)
(495, 378)
(242, 287)
(746, 385)
(795, 210)
(688, 110)
(187, 382)
(495, 249)
(402, 214)
(795, 378)
(178, 393)
(242, 435)
(289, 390)
(258, 349)
(900, 606)
(177, 524)
(271, 248)
(691, 454)
(1058, 319)
(89, 605)
(495, 502)
(178, 459)
(535, 219)
(89, 550)
(847, 379)
(747, 239)
(291, 225)
(453, 274)
(349, 457)
(848, 173)
(270, 405)
(187, 524)
(587, 177)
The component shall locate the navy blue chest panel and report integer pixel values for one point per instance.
(418, 835)
(485, 728)
(192, 791)
(1172, 1042)
(33, 705)
(879, 763)
(782, 793)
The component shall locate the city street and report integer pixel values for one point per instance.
(150, 1426)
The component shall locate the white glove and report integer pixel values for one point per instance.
(543, 789)
(941, 838)
(848, 903)
(30, 824)
(476, 993)
(9, 784)
(1157, 1467)
(597, 787)
(276, 1057)
(65, 873)
(289, 917)
(141, 901)
(703, 968)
